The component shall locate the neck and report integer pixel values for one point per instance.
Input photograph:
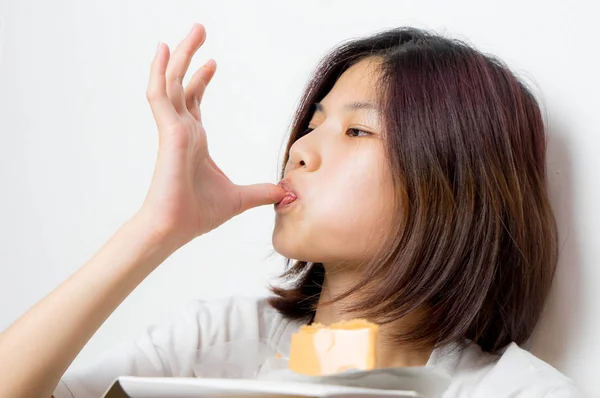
(389, 353)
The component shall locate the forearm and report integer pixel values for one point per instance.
(38, 348)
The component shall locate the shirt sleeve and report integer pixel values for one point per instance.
(168, 349)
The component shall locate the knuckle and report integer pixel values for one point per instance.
(151, 94)
(173, 81)
(189, 52)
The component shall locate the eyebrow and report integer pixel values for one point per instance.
(352, 106)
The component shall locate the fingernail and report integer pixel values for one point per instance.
(158, 47)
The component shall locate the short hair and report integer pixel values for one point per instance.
(474, 238)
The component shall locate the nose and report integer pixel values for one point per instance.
(303, 156)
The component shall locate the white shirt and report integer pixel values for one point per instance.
(194, 343)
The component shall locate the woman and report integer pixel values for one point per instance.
(413, 194)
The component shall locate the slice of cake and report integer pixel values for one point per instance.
(318, 350)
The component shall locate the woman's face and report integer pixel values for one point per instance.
(339, 173)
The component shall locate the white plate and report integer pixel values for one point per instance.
(428, 382)
(161, 387)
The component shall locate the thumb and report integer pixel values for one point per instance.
(259, 195)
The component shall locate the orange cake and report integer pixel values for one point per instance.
(319, 350)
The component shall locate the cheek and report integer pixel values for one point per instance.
(347, 220)
(358, 200)
(352, 226)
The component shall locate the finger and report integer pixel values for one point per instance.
(195, 89)
(179, 64)
(156, 92)
(259, 195)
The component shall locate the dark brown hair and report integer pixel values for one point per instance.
(475, 242)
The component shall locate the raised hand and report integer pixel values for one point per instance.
(189, 194)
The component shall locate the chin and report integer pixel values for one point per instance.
(293, 247)
(286, 247)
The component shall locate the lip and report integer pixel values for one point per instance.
(290, 198)
(288, 187)
(285, 204)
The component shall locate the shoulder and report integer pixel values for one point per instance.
(232, 318)
(513, 372)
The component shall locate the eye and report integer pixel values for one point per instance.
(354, 132)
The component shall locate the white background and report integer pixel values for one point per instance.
(78, 141)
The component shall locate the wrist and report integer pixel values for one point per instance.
(157, 233)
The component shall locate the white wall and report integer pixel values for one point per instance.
(78, 141)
